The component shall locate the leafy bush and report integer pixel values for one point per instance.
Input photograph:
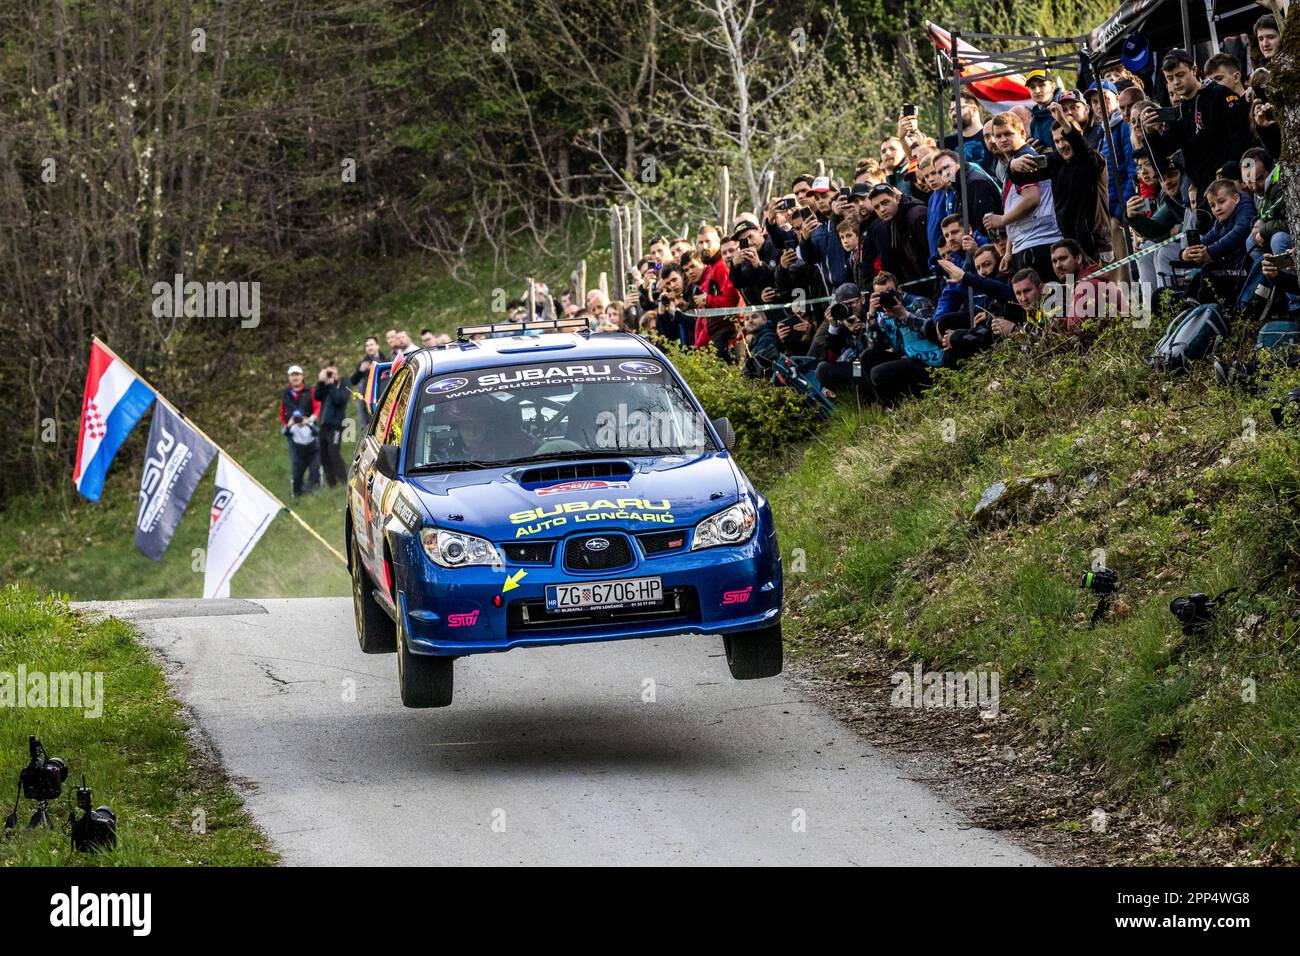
(766, 417)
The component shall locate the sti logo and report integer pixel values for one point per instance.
(737, 597)
(446, 385)
(467, 619)
(640, 368)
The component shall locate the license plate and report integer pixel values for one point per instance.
(625, 592)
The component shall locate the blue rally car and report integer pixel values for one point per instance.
(518, 490)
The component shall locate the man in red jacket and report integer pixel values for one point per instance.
(716, 291)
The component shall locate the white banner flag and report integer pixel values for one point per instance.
(241, 513)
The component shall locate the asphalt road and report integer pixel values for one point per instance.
(547, 756)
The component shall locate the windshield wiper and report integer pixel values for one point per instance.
(451, 465)
(571, 454)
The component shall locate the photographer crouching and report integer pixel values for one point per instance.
(880, 345)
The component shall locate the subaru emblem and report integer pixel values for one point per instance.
(597, 544)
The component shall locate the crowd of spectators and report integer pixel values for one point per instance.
(940, 247)
(929, 254)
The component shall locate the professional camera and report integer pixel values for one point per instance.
(42, 778)
(842, 312)
(1103, 582)
(1192, 611)
(95, 829)
(889, 298)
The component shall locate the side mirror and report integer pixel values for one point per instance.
(386, 461)
(728, 434)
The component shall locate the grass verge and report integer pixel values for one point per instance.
(173, 805)
(1176, 484)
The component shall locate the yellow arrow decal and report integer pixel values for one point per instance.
(513, 581)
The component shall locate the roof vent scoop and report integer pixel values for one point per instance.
(576, 471)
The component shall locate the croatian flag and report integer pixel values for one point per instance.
(116, 398)
(997, 94)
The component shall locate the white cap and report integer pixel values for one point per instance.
(295, 369)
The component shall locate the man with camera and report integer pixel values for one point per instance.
(844, 340)
(331, 396)
(671, 320)
(1210, 124)
(716, 292)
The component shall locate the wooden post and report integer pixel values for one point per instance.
(582, 284)
(724, 200)
(616, 251)
(638, 241)
(821, 167)
(769, 178)
(532, 300)
(604, 285)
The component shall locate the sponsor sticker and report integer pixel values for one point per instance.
(586, 485)
(445, 385)
(740, 596)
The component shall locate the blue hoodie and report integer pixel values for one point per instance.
(1226, 241)
(1121, 171)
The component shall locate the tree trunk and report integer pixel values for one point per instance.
(1284, 92)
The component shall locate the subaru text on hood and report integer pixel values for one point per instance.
(559, 488)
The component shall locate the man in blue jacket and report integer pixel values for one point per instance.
(1121, 169)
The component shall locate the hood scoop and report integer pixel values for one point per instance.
(577, 471)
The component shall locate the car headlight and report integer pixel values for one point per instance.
(451, 549)
(732, 526)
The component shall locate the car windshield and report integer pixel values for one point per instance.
(555, 410)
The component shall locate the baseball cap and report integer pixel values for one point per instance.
(1135, 54)
(822, 184)
(1037, 75)
(1229, 170)
(298, 413)
(860, 190)
(295, 370)
(847, 292)
(1106, 85)
(744, 222)
(1073, 96)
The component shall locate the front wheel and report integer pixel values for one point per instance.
(752, 655)
(424, 680)
(375, 630)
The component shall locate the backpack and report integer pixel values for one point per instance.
(1278, 335)
(1191, 336)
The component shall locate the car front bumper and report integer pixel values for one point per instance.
(721, 590)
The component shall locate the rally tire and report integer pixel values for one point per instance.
(376, 633)
(752, 655)
(424, 680)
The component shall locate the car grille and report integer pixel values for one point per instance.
(579, 557)
(530, 552)
(662, 542)
(680, 605)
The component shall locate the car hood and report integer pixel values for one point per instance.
(548, 501)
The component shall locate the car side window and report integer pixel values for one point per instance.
(384, 413)
(401, 400)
